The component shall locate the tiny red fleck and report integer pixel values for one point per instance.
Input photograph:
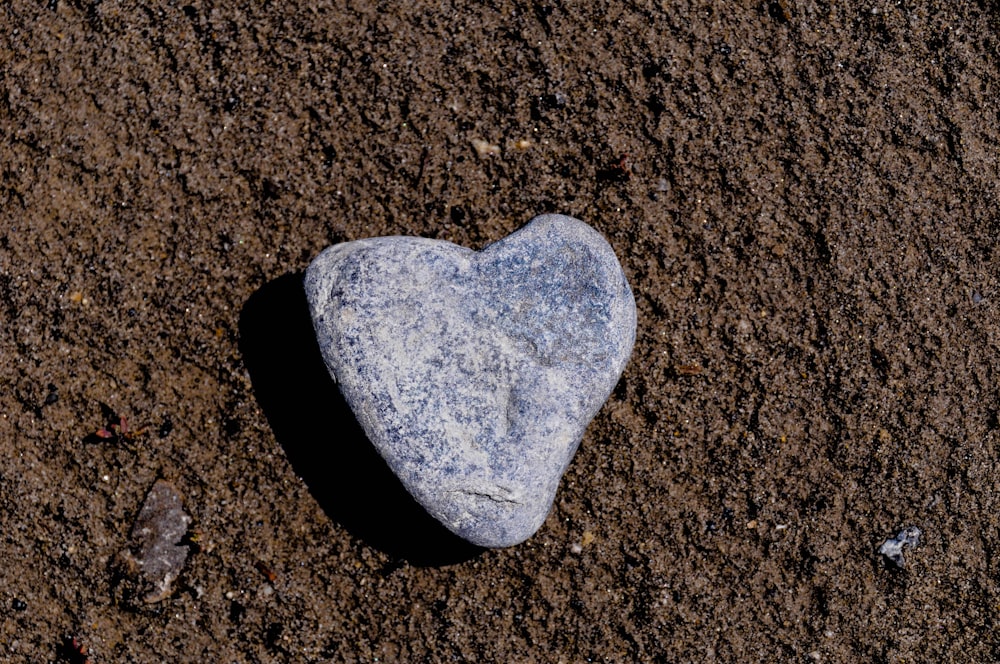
(75, 651)
(266, 571)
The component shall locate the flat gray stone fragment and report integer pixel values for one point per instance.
(475, 374)
(157, 553)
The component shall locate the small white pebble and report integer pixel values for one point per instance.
(892, 548)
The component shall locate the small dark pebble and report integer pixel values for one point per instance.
(20, 605)
(236, 612)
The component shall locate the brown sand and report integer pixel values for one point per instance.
(804, 196)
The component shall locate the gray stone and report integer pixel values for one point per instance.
(892, 548)
(475, 374)
(156, 552)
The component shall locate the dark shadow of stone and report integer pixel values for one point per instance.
(324, 442)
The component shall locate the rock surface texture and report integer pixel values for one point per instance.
(475, 374)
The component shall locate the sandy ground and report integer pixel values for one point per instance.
(804, 196)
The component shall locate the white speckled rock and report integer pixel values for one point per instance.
(474, 374)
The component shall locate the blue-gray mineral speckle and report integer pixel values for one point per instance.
(474, 374)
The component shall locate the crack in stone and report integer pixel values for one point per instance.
(490, 496)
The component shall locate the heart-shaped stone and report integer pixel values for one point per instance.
(475, 374)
